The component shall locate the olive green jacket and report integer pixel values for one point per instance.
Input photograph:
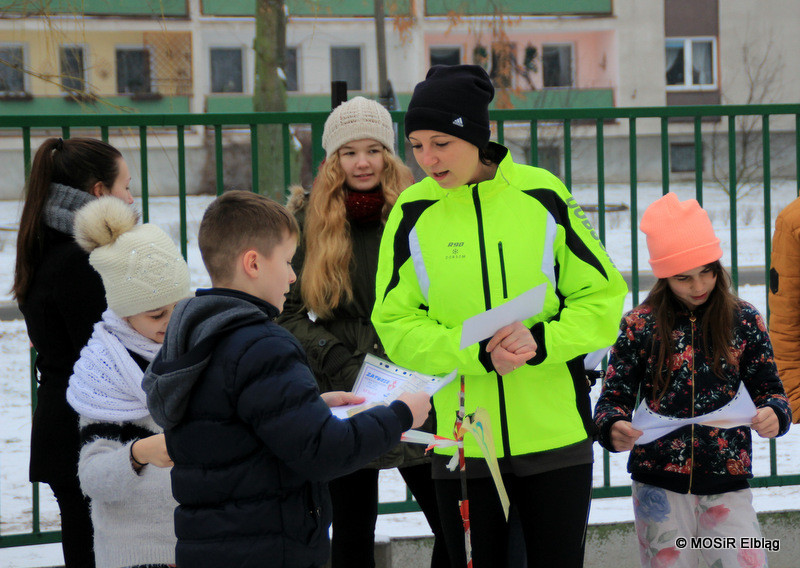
(337, 345)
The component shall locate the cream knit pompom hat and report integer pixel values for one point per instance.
(141, 268)
(357, 119)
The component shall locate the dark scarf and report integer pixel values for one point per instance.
(364, 206)
(61, 205)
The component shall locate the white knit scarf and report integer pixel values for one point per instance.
(106, 383)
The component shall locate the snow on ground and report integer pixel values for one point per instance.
(15, 388)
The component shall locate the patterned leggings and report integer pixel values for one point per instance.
(676, 530)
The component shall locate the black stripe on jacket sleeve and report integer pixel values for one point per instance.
(559, 209)
(412, 211)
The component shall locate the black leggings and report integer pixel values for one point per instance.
(76, 525)
(355, 510)
(553, 511)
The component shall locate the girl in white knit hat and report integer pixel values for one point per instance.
(328, 308)
(124, 464)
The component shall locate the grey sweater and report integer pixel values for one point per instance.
(132, 513)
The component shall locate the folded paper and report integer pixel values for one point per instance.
(740, 411)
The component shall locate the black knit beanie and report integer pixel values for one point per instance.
(453, 99)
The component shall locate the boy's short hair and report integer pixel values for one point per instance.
(237, 221)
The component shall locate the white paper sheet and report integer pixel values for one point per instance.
(485, 325)
(381, 382)
(740, 411)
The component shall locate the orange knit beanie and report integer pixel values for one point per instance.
(679, 236)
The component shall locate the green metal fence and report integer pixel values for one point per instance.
(600, 120)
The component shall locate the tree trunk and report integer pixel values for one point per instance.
(269, 94)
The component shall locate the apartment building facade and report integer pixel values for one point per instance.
(161, 56)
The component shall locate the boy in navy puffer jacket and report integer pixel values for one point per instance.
(252, 439)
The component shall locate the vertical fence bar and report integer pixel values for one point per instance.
(287, 160)
(182, 186)
(401, 139)
(317, 151)
(218, 159)
(698, 160)
(664, 155)
(144, 174)
(601, 214)
(34, 401)
(104, 134)
(568, 153)
(601, 181)
(535, 142)
(254, 155)
(732, 195)
(767, 175)
(501, 132)
(26, 152)
(65, 132)
(634, 213)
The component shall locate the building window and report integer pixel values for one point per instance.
(681, 157)
(290, 69)
(226, 70)
(690, 63)
(550, 159)
(72, 68)
(12, 76)
(557, 65)
(445, 56)
(346, 66)
(133, 71)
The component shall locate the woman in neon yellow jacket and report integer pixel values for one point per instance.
(477, 232)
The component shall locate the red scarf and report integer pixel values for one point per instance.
(364, 206)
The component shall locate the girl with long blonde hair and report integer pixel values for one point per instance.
(329, 308)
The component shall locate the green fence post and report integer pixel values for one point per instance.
(218, 157)
(732, 199)
(182, 187)
(664, 155)
(698, 160)
(144, 173)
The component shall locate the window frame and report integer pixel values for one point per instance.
(296, 49)
(153, 89)
(572, 67)
(458, 48)
(242, 53)
(24, 76)
(362, 75)
(675, 166)
(85, 61)
(687, 63)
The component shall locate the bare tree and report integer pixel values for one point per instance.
(270, 93)
(762, 67)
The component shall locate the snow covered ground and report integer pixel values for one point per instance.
(15, 389)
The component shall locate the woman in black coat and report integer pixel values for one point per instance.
(61, 297)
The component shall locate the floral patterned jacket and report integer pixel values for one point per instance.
(692, 459)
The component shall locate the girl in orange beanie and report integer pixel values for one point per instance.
(686, 351)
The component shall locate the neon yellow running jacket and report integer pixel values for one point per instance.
(448, 254)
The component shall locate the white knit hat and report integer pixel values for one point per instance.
(357, 119)
(141, 268)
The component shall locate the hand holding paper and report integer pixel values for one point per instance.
(624, 435)
(381, 382)
(766, 423)
(511, 347)
(486, 324)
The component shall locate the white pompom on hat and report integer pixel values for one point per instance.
(357, 119)
(141, 267)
